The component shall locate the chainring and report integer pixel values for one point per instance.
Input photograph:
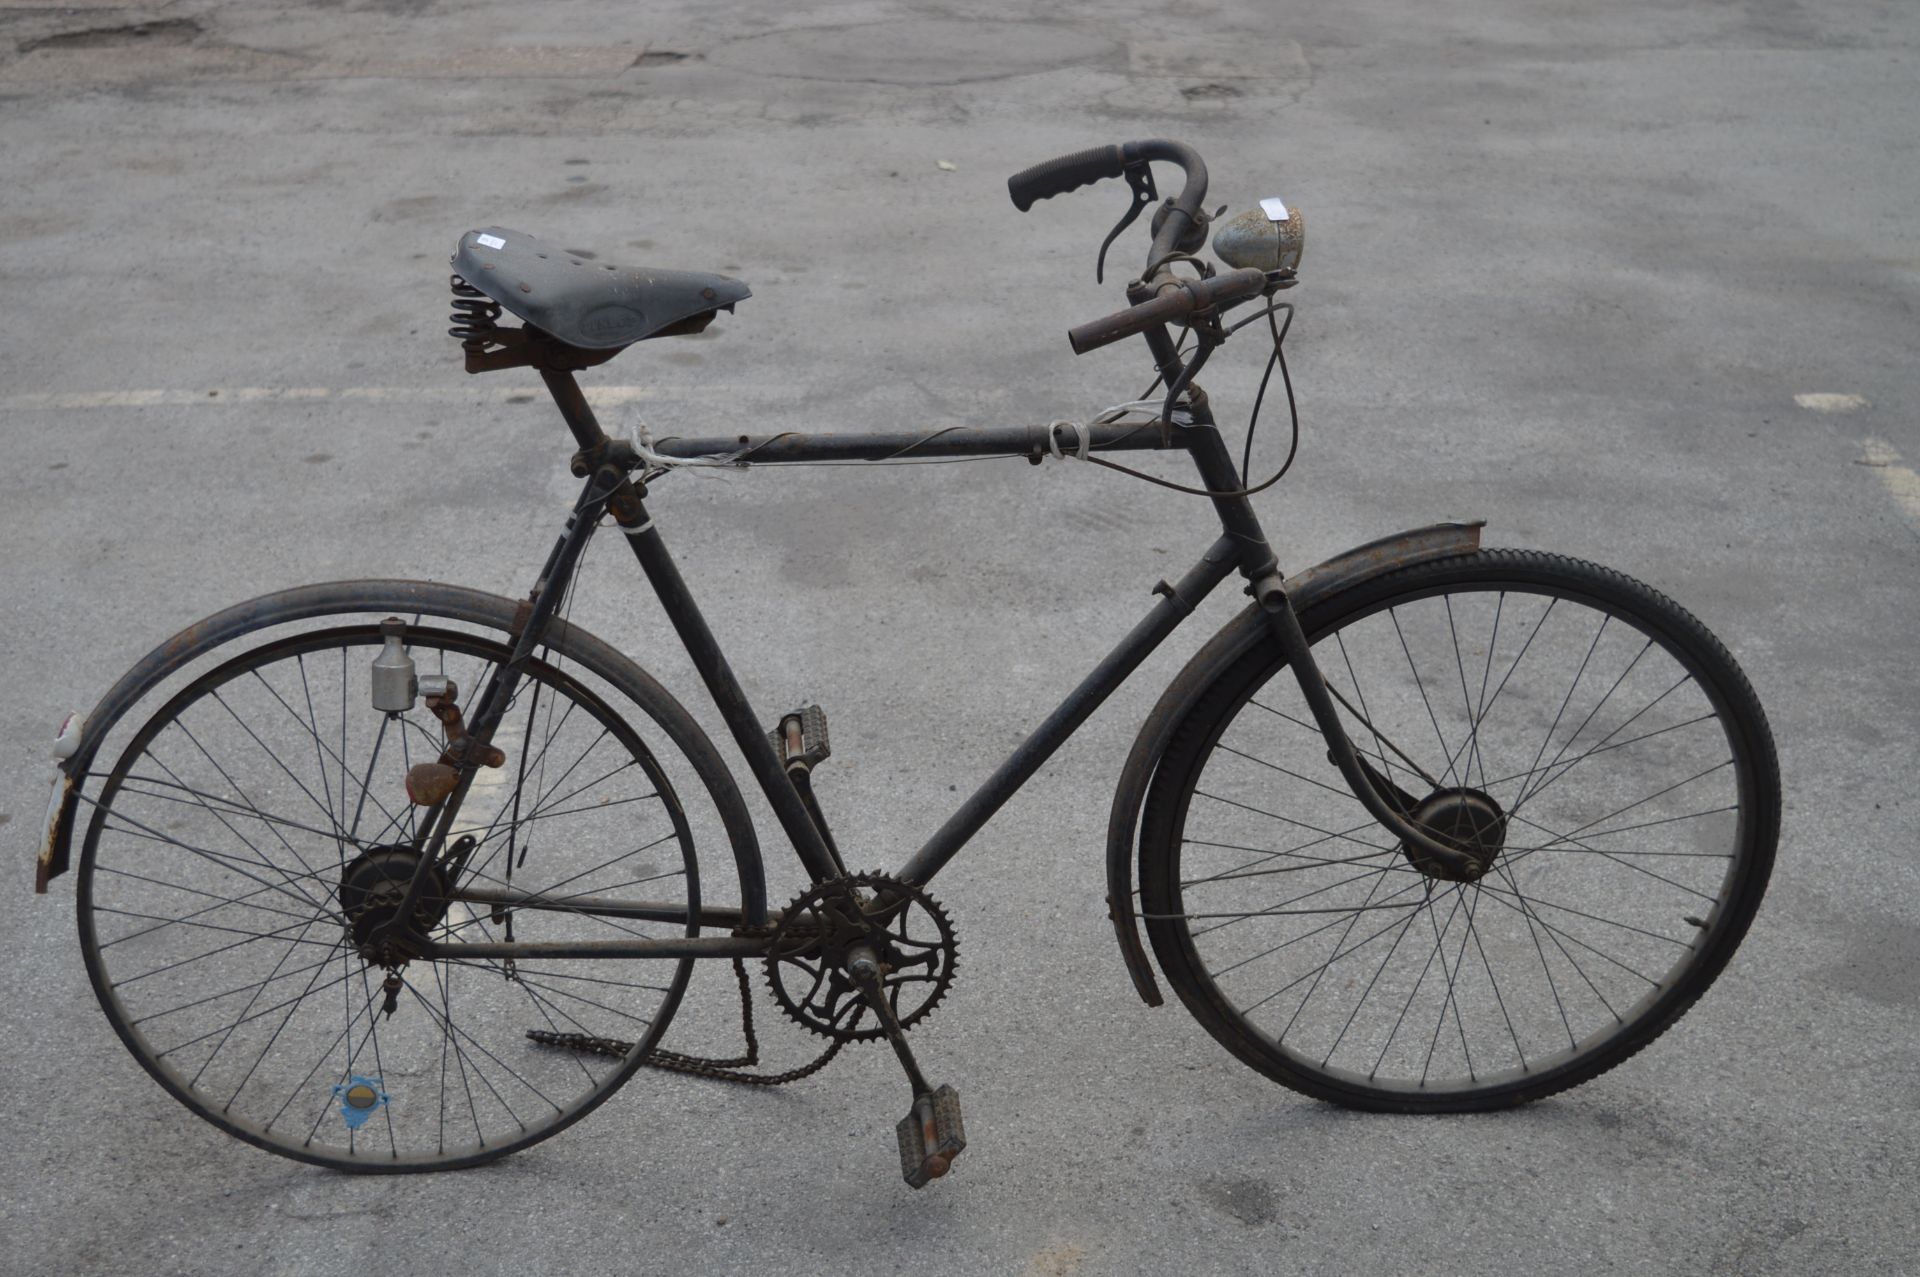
(806, 959)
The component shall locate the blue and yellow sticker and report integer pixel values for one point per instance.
(360, 1098)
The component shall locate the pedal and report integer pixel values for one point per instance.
(931, 1136)
(801, 738)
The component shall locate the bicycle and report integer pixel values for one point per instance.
(1425, 828)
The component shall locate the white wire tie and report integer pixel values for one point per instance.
(643, 447)
(1084, 435)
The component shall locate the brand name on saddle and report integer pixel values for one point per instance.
(611, 321)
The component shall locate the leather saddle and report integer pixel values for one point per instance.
(583, 301)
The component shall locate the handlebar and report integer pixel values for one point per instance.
(1177, 299)
(1084, 168)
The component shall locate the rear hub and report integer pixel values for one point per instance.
(372, 888)
(1467, 820)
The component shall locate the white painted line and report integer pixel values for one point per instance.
(1832, 403)
(212, 60)
(217, 396)
(1899, 480)
(494, 63)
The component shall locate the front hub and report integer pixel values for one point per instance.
(372, 888)
(1467, 820)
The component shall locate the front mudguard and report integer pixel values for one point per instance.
(1235, 639)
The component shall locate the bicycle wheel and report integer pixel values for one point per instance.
(245, 841)
(1585, 740)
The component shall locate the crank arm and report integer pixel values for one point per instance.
(864, 966)
(931, 1135)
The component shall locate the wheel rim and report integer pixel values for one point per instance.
(1620, 794)
(212, 919)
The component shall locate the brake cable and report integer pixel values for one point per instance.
(1277, 359)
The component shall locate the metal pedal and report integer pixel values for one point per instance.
(931, 1136)
(801, 737)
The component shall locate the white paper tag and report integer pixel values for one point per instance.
(1273, 206)
(494, 241)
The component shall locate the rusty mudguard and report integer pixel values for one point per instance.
(1437, 541)
(434, 602)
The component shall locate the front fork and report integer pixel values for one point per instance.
(1278, 609)
(1265, 584)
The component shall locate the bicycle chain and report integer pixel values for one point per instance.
(719, 1070)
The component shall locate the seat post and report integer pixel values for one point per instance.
(574, 407)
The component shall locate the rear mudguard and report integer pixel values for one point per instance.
(1235, 639)
(432, 601)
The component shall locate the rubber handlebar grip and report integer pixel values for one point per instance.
(1064, 173)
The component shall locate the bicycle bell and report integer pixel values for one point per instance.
(1268, 237)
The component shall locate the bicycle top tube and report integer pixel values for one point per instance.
(1030, 441)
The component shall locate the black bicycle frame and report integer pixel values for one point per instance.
(611, 488)
(1244, 547)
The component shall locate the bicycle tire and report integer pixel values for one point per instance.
(1220, 745)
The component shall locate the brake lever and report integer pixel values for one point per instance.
(1140, 177)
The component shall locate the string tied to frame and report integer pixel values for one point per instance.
(1083, 433)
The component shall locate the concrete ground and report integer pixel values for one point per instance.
(1635, 282)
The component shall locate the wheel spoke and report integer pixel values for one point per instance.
(1493, 980)
(1331, 789)
(1324, 967)
(1421, 687)
(1561, 712)
(128, 824)
(1527, 795)
(1605, 854)
(1381, 743)
(1466, 701)
(1421, 979)
(1307, 862)
(277, 761)
(1272, 815)
(244, 900)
